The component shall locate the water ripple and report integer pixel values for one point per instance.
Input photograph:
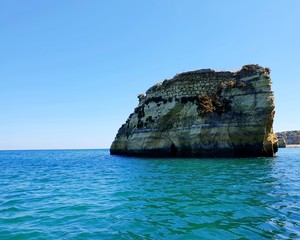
(88, 194)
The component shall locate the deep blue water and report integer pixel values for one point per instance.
(88, 194)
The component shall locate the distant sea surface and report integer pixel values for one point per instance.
(88, 194)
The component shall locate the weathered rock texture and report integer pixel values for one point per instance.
(203, 113)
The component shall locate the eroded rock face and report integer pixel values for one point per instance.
(203, 113)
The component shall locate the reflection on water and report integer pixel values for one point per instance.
(88, 194)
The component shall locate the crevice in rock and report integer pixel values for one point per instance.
(173, 150)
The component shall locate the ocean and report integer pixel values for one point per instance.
(88, 194)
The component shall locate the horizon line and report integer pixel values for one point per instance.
(45, 149)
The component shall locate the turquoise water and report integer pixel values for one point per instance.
(88, 194)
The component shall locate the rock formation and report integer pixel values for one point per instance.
(290, 137)
(281, 142)
(203, 113)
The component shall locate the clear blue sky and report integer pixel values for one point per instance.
(70, 70)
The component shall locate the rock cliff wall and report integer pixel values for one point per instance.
(290, 137)
(203, 113)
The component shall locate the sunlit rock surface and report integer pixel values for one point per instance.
(203, 113)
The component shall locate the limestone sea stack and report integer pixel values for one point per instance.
(203, 113)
